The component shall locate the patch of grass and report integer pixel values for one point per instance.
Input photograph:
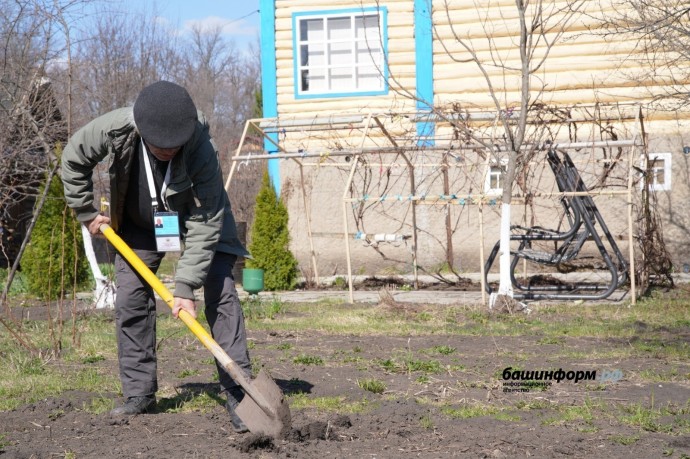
(25, 379)
(338, 352)
(554, 323)
(353, 359)
(587, 429)
(27, 384)
(338, 404)
(190, 401)
(304, 359)
(574, 354)
(284, 347)
(257, 365)
(658, 376)
(426, 422)
(424, 316)
(597, 353)
(623, 440)
(639, 416)
(408, 364)
(187, 372)
(480, 317)
(665, 419)
(443, 350)
(99, 405)
(354, 320)
(529, 405)
(92, 359)
(4, 442)
(256, 308)
(388, 365)
(507, 417)
(424, 366)
(595, 387)
(97, 338)
(578, 417)
(470, 411)
(25, 365)
(56, 414)
(372, 385)
(552, 340)
(661, 349)
(567, 415)
(92, 380)
(340, 283)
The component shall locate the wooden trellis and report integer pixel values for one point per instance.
(445, 171)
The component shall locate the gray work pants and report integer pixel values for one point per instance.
(135, 314)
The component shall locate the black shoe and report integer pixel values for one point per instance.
(135, 405)
(235, 396)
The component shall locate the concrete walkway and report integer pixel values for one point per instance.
(443, 297)
(372, 296)
(426, 296)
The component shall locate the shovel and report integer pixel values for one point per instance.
(265, 411)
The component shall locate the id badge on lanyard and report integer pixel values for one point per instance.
(167, 230)
(166, 224)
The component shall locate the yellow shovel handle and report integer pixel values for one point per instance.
(196, 328)
(157, 285)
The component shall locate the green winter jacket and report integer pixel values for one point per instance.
(195, 190)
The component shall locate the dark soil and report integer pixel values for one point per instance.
(413, 417)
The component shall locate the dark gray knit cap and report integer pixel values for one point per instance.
(165, 114)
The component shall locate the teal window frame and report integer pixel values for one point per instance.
(300, 44)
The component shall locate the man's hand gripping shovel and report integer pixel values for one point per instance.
(265, 410)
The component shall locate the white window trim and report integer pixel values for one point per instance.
(667, 158)
(325, 15)
(487, 180)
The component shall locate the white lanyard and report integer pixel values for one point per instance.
(149, 178)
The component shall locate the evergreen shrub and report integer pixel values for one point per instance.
(270, 240)
(48, 264)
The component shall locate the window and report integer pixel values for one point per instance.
(494, 178)
(340, 53)
(659, 166)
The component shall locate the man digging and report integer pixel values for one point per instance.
(166, 194)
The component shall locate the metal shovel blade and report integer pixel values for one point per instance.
(256, 419)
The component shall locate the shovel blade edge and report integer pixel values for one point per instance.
(256, 420)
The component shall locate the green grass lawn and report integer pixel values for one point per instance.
(75, 363)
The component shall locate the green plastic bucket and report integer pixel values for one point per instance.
(252, 280)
